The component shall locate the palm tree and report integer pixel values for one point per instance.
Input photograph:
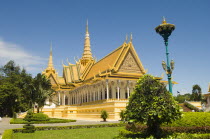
(43, 90)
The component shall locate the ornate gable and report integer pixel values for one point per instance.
(129, 65)
(52, 80)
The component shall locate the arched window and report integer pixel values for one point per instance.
(126, 95)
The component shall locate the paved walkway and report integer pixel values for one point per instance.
(4, 124)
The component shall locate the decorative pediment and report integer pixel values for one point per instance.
(52, 80)
(129, 65)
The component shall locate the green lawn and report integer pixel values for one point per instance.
(52, 120)
(84, 133)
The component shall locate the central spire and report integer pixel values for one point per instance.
(87, 55)
(50, 62)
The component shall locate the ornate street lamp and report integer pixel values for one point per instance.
(165, 30)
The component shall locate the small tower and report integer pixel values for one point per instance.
(87, 55)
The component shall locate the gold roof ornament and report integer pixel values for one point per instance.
(164, 20)
(131, 38)
(87, 27)
(165, 27)
(126, 38)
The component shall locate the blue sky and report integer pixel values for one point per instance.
(27, 27)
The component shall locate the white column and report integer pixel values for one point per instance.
(59, 98)
(128, 91)
(98, 93)
(118, 90)
(107, 89)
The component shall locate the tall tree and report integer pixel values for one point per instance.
(12, 82)
(152, 104)
(196, 93)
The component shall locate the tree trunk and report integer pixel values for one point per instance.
(37, 108)
(155, 130)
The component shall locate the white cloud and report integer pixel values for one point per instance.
(11, 51)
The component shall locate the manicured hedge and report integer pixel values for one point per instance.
(40, 128)
(192, 119)
(40, 117)
(124, 134)
(7, 134)
(51, 120)
(135, 128)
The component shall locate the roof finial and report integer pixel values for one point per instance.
(62, 62)
(87, 27)
(164, 20)
(131, 37)
(126, 38)
(50, 47)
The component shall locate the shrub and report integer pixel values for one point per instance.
(7, 134)
(28, 116)
(28, 128)
(40, 117)
(104, 115)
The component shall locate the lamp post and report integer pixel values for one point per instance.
(165, 30)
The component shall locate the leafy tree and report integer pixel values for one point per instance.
(19, 91)
(104, 115)
(11, 89)
(196, 93)
(152, 104)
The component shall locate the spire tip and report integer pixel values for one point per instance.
(164, 20)
(131, 37)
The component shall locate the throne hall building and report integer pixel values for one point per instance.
(89, 86)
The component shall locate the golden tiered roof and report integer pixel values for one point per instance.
(123, 62)
(117, 63)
